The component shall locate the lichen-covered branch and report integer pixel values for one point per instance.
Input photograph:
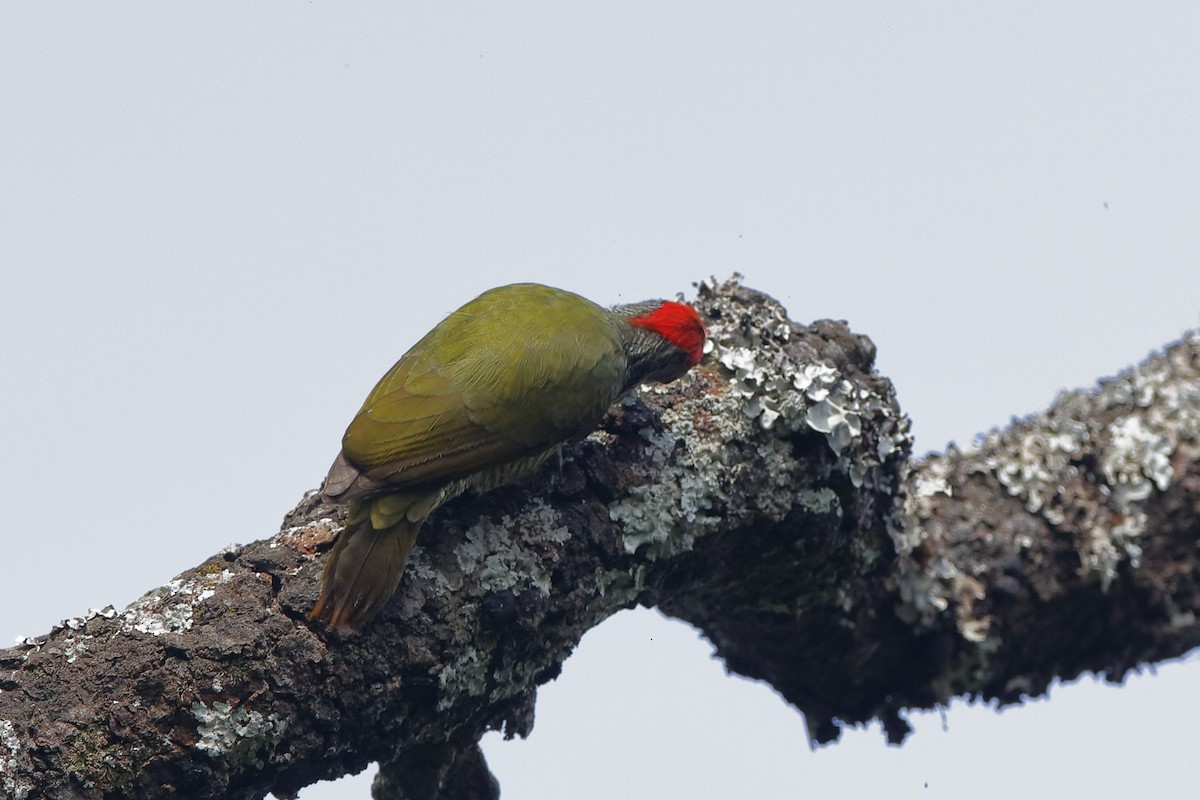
(769, 498)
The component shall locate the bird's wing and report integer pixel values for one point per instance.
(472, 396)
(415, 429)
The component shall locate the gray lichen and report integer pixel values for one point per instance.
(1089, 465)
(169, 608)
(467, 676)
(73, 645)
(776, 389)
(621, 587)
(925, 589)
(665, 515)
(10, 751)
(492, 554)
(1133, 425)
(236, 733)
(766, 391)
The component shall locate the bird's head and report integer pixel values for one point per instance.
(665, 340)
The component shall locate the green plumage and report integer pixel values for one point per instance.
(482, 399)
(518, 369)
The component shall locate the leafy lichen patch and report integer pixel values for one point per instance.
(1087, 467)
(665, 515)
(493, 551)
(1135, 422)
(467, 676)
(925, 586)
(169, 608)
(777, 389)
(10, 752)
(772, 392)
(235, 733)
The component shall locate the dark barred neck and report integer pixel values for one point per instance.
(662, 340)
(650, 357)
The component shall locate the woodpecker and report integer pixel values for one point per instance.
(484, 398)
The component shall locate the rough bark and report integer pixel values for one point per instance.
(769, 499)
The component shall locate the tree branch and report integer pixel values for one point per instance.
(769, 499)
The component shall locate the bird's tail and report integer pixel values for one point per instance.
(363, 569)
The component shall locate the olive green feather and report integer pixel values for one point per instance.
(484, 398)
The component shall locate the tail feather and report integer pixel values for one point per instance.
(362, 572)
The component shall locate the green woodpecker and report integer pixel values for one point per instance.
(488, 395)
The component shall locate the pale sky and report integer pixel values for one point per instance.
(220, 223)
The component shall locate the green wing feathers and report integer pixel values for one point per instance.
(468, 398)
(485, 397)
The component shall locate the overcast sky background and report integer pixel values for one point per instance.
(220, 223)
